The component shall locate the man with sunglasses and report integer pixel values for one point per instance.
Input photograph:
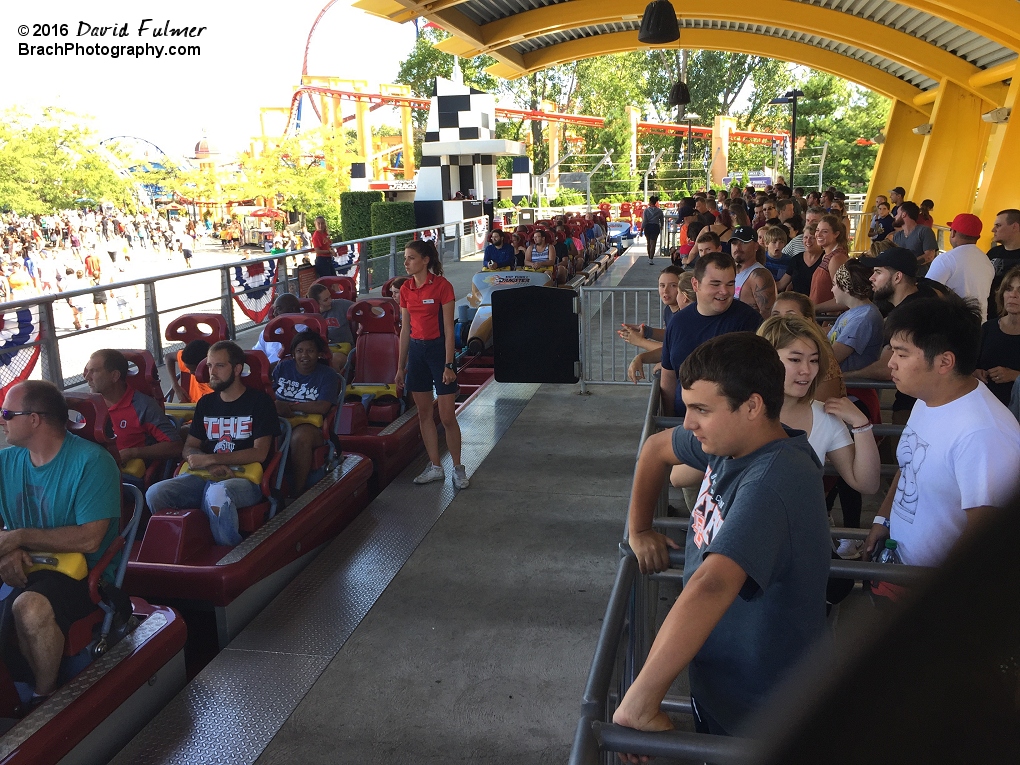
(58, 493)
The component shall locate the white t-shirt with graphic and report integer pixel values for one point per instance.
(952, 457)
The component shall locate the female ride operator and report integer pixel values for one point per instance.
(427, 355)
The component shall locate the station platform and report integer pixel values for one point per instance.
(440, 626)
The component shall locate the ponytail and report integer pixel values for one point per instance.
(427, 249)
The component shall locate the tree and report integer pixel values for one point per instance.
(52, 161)
(839, 113)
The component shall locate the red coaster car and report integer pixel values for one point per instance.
(177, 561)
(117, 672)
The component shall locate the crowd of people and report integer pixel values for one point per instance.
(768, 397)
(560, 248)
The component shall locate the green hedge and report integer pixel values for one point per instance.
(356, 213)
(388, 217)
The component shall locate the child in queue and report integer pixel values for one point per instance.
(676, 292)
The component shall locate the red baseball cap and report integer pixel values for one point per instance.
(966, 224)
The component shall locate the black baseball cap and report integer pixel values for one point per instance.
(898, 190)
(744, 234)
(897, 258)
(687, 211)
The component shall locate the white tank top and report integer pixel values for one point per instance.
(539, 256)
(742, 277)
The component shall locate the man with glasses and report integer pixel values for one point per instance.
(58, 493)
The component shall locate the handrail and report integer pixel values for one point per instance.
(681, 745)
(654, 401)
(593, 701)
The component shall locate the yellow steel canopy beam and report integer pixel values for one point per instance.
(449, 18)
(923, 57)
(736, 42)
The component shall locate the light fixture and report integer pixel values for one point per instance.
(679, 95)
(924, 129)
(659, 25)
(997, 116)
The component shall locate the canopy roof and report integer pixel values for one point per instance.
(899, 49)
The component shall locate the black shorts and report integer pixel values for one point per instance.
(68, 597)
(426, 361)
(652, 230)
(324, 266)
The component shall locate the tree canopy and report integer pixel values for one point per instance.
(720, 83)
(52, 161)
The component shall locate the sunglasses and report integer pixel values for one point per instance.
(7, 414)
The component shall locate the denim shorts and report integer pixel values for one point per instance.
(426, 360)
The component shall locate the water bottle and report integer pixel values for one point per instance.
(888, 553)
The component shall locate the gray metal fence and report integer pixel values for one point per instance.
(604, 354)
(166, 296)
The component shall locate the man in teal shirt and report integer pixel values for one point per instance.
(58, 493)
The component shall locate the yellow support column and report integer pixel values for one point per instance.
(953, 152)
(896, 160)
(999, 187)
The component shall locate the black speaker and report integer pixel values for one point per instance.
(535, 335)
(679, 95)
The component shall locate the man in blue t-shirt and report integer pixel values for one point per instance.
(58, 493)
(758, 548)
(498, 252)
(714, 313)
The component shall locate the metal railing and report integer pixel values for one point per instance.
(626, 636)
(166, 296)
(604, 354)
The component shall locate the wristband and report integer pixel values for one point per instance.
(880, 519)
(862, 429)
(646, 332)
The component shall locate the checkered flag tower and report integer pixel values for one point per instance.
(458, 164)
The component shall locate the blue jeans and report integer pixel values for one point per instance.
(192, 491)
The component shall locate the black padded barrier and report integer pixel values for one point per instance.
(535, 335)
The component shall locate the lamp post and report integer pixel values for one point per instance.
(790, 97)
(690, 117)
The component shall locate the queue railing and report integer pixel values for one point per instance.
(604, 354)
(166, 296)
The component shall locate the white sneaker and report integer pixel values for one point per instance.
(460, 479)
(848, 549)
(430, 474)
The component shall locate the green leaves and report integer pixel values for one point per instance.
(52, 161)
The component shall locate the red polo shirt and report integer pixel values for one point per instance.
(425, 305)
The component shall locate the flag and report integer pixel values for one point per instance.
(254, 288)
(18, 328)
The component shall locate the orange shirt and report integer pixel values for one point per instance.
(196, 389)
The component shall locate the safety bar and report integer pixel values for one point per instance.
(873, 384)
(700, 747)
